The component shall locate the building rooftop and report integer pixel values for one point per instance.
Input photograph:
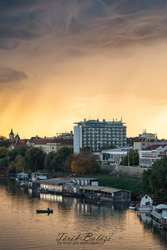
(65, 180)
(117, 150)
(52, 181)
(153, 147)
(101, 123)
(58, 141)
(103, 189)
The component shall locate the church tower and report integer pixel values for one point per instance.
(11, 136)
(17, 138)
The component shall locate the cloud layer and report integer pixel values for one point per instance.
(68, 59)
(100, 24)
(11, 75)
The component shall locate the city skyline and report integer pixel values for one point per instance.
(63, 61)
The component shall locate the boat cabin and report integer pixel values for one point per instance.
(159, 214)
(22, 176)
(38, 176)
(146, 201)
(161, 211)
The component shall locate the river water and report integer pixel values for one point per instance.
(74, 223)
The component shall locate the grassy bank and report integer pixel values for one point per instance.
(132, 184)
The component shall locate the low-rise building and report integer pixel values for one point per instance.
(85, 187)
(150, 154)
(61, 184)
(141, 145)
(114, 156)
(18, 145)
(80, 181)
(107, 193)
(52, 145)
(148, 136)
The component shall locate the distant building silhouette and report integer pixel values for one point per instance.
(11, 136)
(14, 138)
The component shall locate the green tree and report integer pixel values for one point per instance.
(67, 163)
(4, 143)
(11, 168)
(11, 155)
(59, 160)
(156, 179)
(21, 150)
(131, 159)
(146, 180)
(48, 161)
(3, 163)
(34, 159)
(3, 151)
(20, 164)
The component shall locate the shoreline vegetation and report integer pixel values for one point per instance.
(64, 163)
(133, 184)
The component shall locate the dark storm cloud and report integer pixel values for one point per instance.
(7, 44)
(116, 23)
(22, 20)
(8, 75)
(89, 23)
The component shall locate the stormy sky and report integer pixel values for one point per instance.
(66, 60)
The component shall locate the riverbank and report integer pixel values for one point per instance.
(133, 184)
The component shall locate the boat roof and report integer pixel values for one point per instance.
(161, 206)
(103, 189)
(22, 173)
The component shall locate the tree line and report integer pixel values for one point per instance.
(32, 159)
(154, 179)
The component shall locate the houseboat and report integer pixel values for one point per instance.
(38, 176)
(146, 204)
(159, 214)
(22, 177)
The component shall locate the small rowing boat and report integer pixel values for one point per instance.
(47, 211)
(132, 207)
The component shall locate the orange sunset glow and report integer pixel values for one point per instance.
(63, 61)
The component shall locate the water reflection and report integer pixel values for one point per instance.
(82, 207)
(22, 228)
(145, 218)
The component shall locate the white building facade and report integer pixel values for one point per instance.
(97, 134)
(150, 154)
(114, 156)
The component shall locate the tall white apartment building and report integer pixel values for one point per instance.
(97, 134)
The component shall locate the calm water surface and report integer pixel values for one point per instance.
(74, 224)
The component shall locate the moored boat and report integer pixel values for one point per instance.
(159, 214)
(133, 206)
(145, 204)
